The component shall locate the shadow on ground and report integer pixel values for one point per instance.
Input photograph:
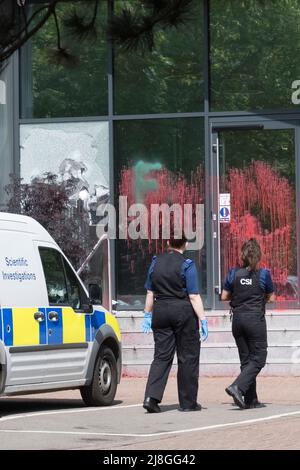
(9, 406)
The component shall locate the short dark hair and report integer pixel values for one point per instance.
(251, 254)
(177, 239)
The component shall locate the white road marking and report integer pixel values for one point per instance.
(158, 434)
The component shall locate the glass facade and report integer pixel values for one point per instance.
(253, 49)
(212, 110)
(168, 80)
(55, 87)
(76, 152)
(158, 161)
(257, 169)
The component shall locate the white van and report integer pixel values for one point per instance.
(53, 336)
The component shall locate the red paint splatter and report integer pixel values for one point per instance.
(262, 206)
(171, 189)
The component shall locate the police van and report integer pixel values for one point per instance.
(54, 332)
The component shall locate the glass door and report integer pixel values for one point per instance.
(255, 196)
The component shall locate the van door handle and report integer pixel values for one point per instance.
(39, 316)
(53, 316)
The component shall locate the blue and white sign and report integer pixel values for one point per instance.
(225, 214)
(224, 208)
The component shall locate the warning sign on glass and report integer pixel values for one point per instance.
(224, 208)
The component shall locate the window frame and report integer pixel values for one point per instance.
(82, 293)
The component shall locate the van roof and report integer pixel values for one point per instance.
(22, 223)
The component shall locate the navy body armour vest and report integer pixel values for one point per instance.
(247, 295)
(167, 279)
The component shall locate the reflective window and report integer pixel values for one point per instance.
(158, 161)
(62, 285)
(257, 169)
(78, 153)
(253, 49)
(54, 276)
(78, 88)
(76, 156)
(75, 291)
(168, 79)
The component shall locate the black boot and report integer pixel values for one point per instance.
(196, 407)
(236, 394)
(254, 404)
(151, 405)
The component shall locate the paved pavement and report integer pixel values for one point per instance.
(60, 420)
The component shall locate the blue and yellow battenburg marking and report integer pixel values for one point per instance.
(100, 318)
(18, 327)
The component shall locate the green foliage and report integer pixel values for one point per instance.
(134, 24)
(254, 50)
(167, 79)
(177, 144)
(72, 81)
(275, 147)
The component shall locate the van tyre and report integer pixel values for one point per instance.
(102, 390)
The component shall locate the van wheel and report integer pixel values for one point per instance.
(102, 390)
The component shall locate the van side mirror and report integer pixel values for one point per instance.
(95, 293)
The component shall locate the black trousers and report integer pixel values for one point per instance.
(250, 334)
(175, 328)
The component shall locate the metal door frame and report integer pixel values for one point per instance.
(239, 123)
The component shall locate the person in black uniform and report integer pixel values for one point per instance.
(249, 289)
(173, 293)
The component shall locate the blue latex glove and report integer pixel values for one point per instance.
(146, 325)
(204, 330)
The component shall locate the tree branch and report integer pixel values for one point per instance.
(7, 52)
(57, 30)
(131, 30)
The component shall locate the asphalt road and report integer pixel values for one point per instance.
(61, 421)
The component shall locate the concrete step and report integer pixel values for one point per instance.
(217, 370)
(217, 313)
(219, 355)
(277, 337)
(132, 321)
(215, 353)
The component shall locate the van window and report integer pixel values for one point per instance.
(75, 291)
(54, 276)
(62, 284)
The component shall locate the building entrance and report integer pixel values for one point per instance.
(254, 180)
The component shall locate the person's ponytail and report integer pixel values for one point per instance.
(251, 254)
